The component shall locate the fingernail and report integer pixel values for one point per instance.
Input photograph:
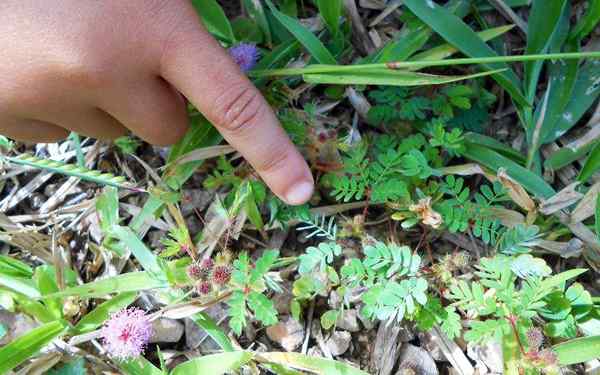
(299, 193)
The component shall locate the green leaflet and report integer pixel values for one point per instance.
(214, 19)
(215, 364)
(456, 32)
(73, 170)
(578, 350)
(21, 349)
(214, 331)
(388, 77)
(139, 366)
(305, 37)
(140, 251)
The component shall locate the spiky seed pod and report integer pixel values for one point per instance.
(203, 288)
(221, 274)
(206, 267)
(535, 339)
(194, 271)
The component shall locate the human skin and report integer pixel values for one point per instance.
(102, 67)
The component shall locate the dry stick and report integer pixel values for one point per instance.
(510, 14)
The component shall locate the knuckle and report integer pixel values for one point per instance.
(276, 160)
(239, 108)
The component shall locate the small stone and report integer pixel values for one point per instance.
(406, 334)
(15, 325)
(414, 359)
(487, 356)
(430, 343)
(348, 321)
(288, 333)
(339, 342)
(166, 330)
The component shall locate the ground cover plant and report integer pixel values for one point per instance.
(454, 227)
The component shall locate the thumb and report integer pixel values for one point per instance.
(195, 64)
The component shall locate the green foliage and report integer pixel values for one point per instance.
(127, 145)
(318, 257)
(248, 285)
(177, 240)
(318, 226)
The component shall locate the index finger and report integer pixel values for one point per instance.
(204, 72)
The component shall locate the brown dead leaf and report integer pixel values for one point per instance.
(587, 205)
(563, 199)
(516, 192)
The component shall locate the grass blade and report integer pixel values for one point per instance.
(495, 145)
(97, 316)
(21, 349)
(214, 331)
(578, 350)
(331, 11)
(314, 365)
(256, 11)
(139, 366)
(493, 160)
(214, 19)
(567, 155)
(592, 164)
(304, 36)
(214, 364)
(387, 77)
(543, 22)
(140, 251)
(456, 32)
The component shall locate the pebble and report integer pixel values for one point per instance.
(487, 356)
(414, 359)
(348, 321)
(166, 330)
(288, 333)
(338, 343)
(15, 325)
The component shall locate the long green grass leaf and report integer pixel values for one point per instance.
(214, 364)
(22, 348)
(256, 11)
(74, 170)
(310, 364)
(140, 251)
(98, 315)
(387, 77)
(578, 350)
(493, 160)
(567, 155)
(214, 19)
(543, 22)
(589, 21)
(139, 366)
(591, 166)
(214, 331)
(331, 11)
(127, 282)
(456, 32)
(492, 143)
(304, 36)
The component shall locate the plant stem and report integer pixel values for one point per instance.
(313, 69)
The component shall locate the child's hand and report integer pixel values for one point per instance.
(101, 67)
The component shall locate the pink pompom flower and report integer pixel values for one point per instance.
(126, 334)
(245, 55)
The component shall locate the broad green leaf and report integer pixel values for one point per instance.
(383, 76)
(214, 331)
(495, 145)
(263, 307)
(140, 251)
(256, 11)
(544, 19)
(21, 285)
(304, 36)
(127, 282)
(591, 166)
(567, 155)
(98, 315)
(578, 350)
(457, 33)
(445, 50)
(316, 365)
(214, 19)
(139, 366)
(331, 11)
(493, 160)
(27, 345)
(214, 364)
(107, 206)
(588, 22)
(329, 318)
(585, 92)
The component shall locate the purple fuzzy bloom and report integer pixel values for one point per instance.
(126, 333)
(245, 55)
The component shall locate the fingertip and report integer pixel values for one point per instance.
(299, 192)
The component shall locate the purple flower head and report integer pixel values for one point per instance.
(126, 333)
(245, 55)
